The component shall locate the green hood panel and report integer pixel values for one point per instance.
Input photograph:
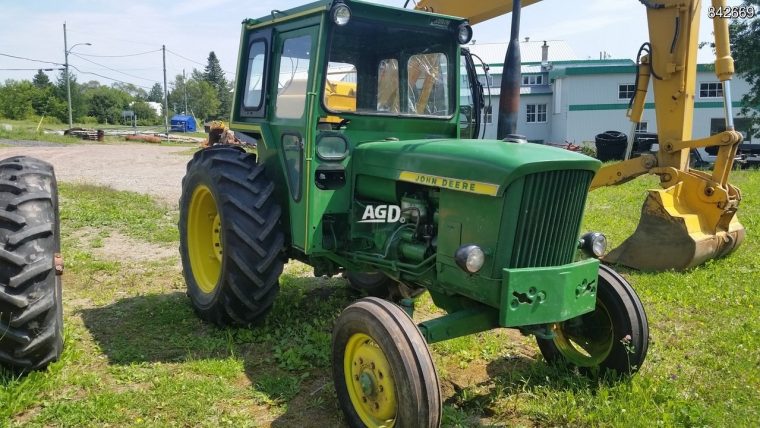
(471, 161)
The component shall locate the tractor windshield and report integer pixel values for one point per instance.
(379, 68)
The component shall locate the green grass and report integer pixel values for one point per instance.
(26, 130)
(137, 355)
(133, 214)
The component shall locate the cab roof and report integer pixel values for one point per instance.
(367, 9)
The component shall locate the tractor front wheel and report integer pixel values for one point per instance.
(230, 238)
(614, 337)
(383, 372)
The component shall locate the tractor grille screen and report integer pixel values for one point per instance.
(549, 218)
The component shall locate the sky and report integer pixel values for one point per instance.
(190, 29)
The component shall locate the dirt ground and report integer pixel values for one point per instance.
(151, 169)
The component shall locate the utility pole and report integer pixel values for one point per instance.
(68, 82)
(184, 83)
(66, 51)
(166, 97)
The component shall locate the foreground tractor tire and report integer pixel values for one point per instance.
(614, 337)
(382, 368)
(230, 238)
(31, 310)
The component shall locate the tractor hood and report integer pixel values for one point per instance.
(452, 162)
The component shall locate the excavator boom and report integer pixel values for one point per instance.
(693, 217)
(475, 11)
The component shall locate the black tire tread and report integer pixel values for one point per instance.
(623, 295)
(39, 307)
(423, 407)
(252, 264)
(31, 330)
(424, 366)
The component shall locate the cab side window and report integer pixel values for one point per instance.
(255, 79)
(293, 77)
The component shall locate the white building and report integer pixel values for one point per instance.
(564, 99)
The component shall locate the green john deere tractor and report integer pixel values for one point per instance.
(360, 169)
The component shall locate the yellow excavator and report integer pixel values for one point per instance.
(693, 217)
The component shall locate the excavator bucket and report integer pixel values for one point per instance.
(670, 235)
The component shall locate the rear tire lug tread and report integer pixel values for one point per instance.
(245, 294)
(36, 309)
(31, 271)
(35, 232)
(27, 197)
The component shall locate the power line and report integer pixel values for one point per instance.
(185, 58)
(30, 69)
(113, 69)
(195, 62)
(106, 77)
(30, 59)
(119, 56)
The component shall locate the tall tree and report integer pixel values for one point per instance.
(41, 80)
(156, 93)
(213, 72)
(214, 75)
(745, 45)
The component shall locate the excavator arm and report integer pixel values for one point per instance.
(693, 217)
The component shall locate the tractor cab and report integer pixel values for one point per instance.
(317, 81)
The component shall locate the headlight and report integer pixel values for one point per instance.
(332, 146)
(464, 34)
(594, 244)
(341, 14)
(470, 258)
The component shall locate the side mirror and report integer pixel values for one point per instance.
(465, 115)
(465, 121)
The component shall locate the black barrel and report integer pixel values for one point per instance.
(610, 145)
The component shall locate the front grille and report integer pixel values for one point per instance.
(549, 218)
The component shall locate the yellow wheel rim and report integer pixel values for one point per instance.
(369, 381)
(586, 341)
(204, 239)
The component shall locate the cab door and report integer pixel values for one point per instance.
(293, 79)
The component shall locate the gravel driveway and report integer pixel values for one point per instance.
(155, 170)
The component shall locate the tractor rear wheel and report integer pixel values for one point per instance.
(31, 310)
(382, 368)
(230, 239)
(614, 337)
